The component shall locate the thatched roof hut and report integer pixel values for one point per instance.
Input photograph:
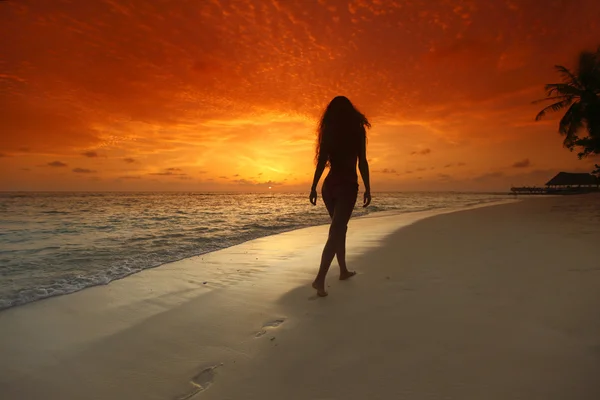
(573, 179)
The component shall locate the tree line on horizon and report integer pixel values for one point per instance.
(579, 94)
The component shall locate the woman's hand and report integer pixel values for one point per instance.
(367, 199)
(313, 197)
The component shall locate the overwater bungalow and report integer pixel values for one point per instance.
(563, 183)
(568, 182)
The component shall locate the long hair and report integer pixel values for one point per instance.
(340, 128)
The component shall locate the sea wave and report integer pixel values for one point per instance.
(53, 245)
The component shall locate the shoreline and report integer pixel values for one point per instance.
(459, 305)
(373, 214)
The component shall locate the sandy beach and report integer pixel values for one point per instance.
(497, 302)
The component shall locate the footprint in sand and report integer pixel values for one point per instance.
(271, 324)
(201, 382)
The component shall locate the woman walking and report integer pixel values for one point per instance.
(341, 142)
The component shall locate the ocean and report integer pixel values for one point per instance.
(58, 243)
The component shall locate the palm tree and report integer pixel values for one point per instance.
(579, 94)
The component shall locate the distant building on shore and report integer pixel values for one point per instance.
(564, 183)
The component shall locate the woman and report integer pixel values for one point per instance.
(341, 141)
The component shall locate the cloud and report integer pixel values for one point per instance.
(488, 176)
(210, 80)
(533, 177)
(522, 164)
(84, 171)
(444, 176)
(244, 182)
(130, 177)
(169, 172)
(166, 173)
(387, 171)
(423, 152)
(223, 177)
(448, 165)
(3, 155)
(90, 154)
(269, 183)
(56, 164)
(247, 182)
(461, 164)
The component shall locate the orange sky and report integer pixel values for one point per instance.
(224, 95)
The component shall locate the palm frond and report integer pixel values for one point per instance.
(589, 146)
(562, 89)
(571, 122)
(553, 107)
(568, 76)
(553, 98)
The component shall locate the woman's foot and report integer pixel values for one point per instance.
(320, 288)
(346, 275)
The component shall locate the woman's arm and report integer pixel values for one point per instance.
(318, 172)
(363, 167)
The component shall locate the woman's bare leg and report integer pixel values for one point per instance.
(340, 251)
(341, 248)
(341, 258)
(336, 243)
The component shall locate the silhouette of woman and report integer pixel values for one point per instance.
(341, 141)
